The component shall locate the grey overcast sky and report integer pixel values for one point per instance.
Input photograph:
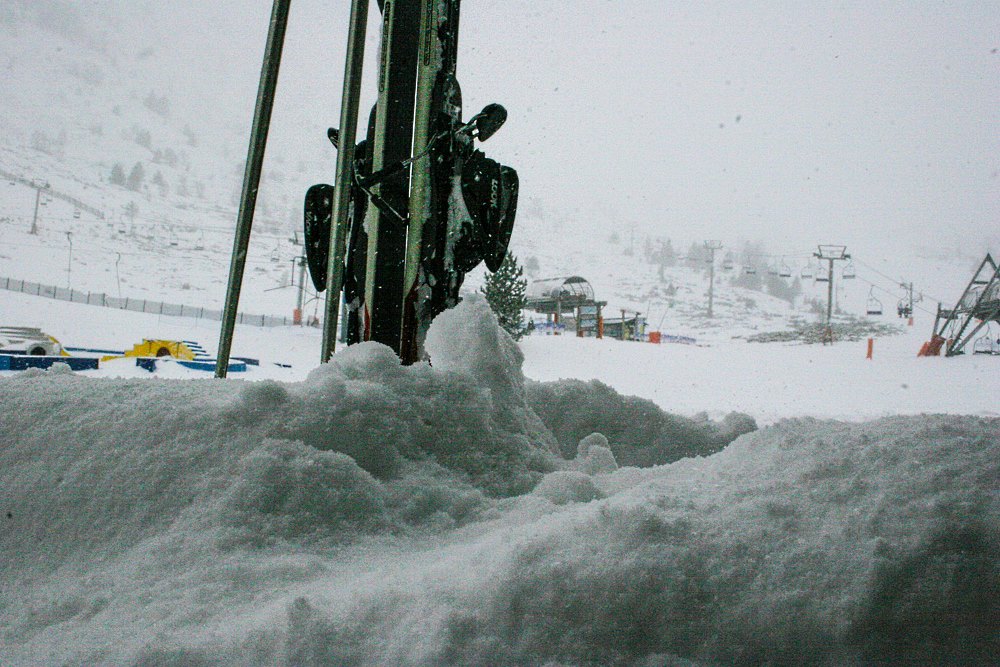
(795, 122)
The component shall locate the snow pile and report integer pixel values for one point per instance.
(382, 515)
(640, 432)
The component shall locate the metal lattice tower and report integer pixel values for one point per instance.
(711, 246)
(831, 253)
(979, 303)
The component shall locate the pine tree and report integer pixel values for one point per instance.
(118, 174)
(135, 177)
(504, 291)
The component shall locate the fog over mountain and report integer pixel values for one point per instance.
(789, 122)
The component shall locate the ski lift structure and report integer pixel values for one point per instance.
(873, 306)
(727, 264)
(822, 274)
(849, 272)
(784, 270)
(553, 297)
(978, 307)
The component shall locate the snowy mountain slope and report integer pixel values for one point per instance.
(87, 90)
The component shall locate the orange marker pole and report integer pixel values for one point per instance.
(871, 348)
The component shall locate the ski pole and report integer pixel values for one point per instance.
(251, 178)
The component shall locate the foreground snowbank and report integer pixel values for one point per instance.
(375, 514)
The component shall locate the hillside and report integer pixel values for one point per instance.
(94, 98)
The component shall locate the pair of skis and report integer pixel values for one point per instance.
(418, 206)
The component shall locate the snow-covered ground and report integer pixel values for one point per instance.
(556, 502)
(769, 381)
(374, 514)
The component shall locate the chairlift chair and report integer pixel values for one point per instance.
(984, 344)
(874, 306)
(772, 270)
(807, 272)
(822, 274)
(76, 214)
(784, 271)
(848, 272)
(750, 270)
(727, 265)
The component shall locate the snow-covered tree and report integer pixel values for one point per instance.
(504, 291)
(135, 177)
(118, 174)
(161, 184)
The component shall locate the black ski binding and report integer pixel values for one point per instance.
(489, 190)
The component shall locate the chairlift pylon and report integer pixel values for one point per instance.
(874, 306)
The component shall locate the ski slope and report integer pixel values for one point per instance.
(769, 381)
(374, 514)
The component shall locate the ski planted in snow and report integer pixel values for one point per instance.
(462, 204)
(410, 243)
(391, 143)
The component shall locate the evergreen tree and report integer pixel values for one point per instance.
(668, 256)
(504, 291)
(118, 174)
(696, 256)
(161, 184)
(135, 178)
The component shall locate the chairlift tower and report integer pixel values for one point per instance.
(831, 253)
(977, 307)
(34, 221)
(711, 246)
